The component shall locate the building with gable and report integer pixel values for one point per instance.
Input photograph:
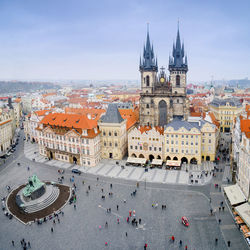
(69, 138)
(113, 134)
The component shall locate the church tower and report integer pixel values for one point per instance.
(178, 68)
(162, 99)
(148, 68)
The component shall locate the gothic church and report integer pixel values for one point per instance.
(163, 98)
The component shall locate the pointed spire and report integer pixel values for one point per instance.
(156, 63)
(177, 60)
(148, 61)
(186, 60)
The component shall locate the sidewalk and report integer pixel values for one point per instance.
(228, 228)
(109, 168)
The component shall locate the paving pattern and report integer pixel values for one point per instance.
(109, 168)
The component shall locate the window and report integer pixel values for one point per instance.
(87, 151)
(135, 147)
(140, 147)
(150, 148)
(82, 141)
(172, 150)
(115, 133)
(176, 142)
(104, 133)
(186, 142)
(155, 148)
(110, 144)
(186, 136)
(73, 139)
(167, 141)
(182, 151)
(83, 151)
(88, 162)
(209, 141)
(104, 144)
(167, 149)
(176, 136)
(182, 143)
(116, 144)
(147, 81)
(192, 136)
(178, 81)
(203, 140)
(147, 106)
(159, 148)
(109, 133)
(172, 136)
(176, 151)
(182, 136)
(209, 134)
(87, 141)
(131, 147)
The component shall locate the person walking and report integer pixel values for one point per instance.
(29, 245)
(74, 206)
(13, 243)
(145, 246)
(52, 230)
(117, 207)
(219, 221)
(173, 238)
(229, 243)
(111, 185)
(126, 234)
(223, 208)
(216, 241)
(180, 243)
(186, 247)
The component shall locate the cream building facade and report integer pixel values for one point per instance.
(70, 138)
(226, 111)
(186, 141)
(113, 134)
(244, 165)
(6, 130)
(146, 142)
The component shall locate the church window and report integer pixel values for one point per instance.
(147, 81)
(131, 147)
(177, 81)
(135, 147)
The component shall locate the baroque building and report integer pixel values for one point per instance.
(163, 98)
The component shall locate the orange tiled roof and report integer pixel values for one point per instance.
(42, 112)
(69, 120)
(49, 94)
(215, 122)
(245, 125)
(144, 129)
(130, 115)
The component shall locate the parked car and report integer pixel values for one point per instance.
(76, 171)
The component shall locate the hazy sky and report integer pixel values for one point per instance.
(103, 39)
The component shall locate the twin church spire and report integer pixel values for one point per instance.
(149, 62)
(178, 60)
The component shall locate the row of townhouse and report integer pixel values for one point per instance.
(186, 141)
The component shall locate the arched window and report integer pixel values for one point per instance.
(147, 81)
(147, 106)
(178, 82)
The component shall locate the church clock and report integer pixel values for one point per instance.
(162, 79)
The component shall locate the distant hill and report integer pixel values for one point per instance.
(19, 86)
(242, 83)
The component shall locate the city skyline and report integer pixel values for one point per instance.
(101, 41)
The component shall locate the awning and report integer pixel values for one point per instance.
(234, 194)
(157, 162)
(136, 160)
(244, 212)
(173, 163)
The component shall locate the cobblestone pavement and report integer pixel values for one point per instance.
(109, 168)
(79, 228)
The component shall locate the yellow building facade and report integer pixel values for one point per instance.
(225, 111)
